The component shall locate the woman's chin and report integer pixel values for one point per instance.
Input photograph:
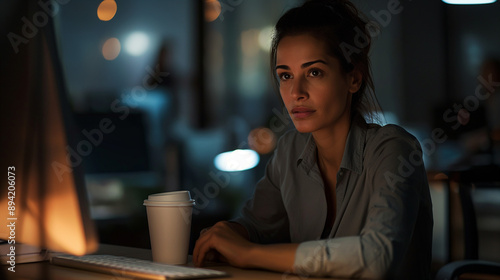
(303, 128)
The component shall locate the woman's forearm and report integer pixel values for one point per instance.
(276, 257)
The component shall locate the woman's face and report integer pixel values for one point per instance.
(314, 89)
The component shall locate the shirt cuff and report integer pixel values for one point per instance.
(338, 257)
(309, 258)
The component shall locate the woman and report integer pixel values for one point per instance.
(340, 197)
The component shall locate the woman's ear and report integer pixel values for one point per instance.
(355, 79)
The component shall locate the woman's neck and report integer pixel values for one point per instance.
(331, 144)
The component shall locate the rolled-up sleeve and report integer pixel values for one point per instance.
(397, 186)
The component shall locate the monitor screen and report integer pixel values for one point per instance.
(43, 198)
(112, 145)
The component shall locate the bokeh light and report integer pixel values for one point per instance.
(250, 43)
(262, 140)
(106, 10)
(111, 49)
(137, 43)
(212, 10)
(265, 38)
(237, 160)
(469, 2)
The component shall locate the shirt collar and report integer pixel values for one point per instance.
(355, 146)
(353, 153)
(308, 156)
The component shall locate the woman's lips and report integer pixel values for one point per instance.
(302, 112)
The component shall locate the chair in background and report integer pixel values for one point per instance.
(471, 267)
(469, 270)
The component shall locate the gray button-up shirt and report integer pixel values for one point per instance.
(383, 223)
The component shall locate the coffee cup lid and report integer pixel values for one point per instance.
(176, 196)
(169, 204)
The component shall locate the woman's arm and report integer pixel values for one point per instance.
(228, 240)
(241, 230)
(277, 257)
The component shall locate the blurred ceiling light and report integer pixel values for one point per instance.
(468, 2)
(111, 48)
(262, 140)
(265, 38)
(212, 10)
(249, 43)
(106, 10)
(137, 43)
(237, 160)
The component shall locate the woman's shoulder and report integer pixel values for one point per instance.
(390, 136)
(291, 144)
(389, 131)
(288, 151)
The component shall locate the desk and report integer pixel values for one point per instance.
(46, 271)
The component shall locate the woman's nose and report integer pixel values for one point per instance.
(299, 89)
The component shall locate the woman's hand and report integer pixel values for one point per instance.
(222, 241)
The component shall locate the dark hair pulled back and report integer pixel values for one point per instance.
(347, 35)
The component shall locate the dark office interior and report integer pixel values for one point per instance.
(180, 82)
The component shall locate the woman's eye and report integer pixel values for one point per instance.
(285, 76)
(315, 73)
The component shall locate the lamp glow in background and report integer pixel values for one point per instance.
(250, 48)
(265, 38)
(237, 160)
(212, 10)
(468, 2)
(106, 10)
(262, 140)
(111, 49)
(137, 43)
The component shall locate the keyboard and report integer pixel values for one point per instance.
(133, 268)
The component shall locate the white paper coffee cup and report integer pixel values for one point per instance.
(169, 221)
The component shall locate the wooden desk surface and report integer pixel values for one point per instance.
(46, 271)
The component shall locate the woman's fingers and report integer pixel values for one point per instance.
(196, 252)
(197, 246)
(219, 237)
(203, 246)
(203, 231)
(206, 243)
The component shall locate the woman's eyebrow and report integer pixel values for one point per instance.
(304, 65)
(307, 64)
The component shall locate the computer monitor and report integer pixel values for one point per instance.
(124, 150)
(43, 199)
